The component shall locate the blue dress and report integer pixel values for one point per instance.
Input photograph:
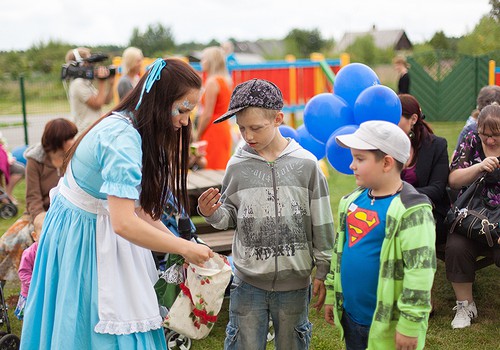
(62, 308)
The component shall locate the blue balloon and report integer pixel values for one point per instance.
(325, 113)
(288, 131)
(340, 158)
(18, 153)
(352, 79)
(377, 103)
(310, 143)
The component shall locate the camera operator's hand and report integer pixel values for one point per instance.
(102, 72)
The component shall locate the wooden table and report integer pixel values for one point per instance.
(197, 182)
(200, 180)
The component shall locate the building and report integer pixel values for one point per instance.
(383, 39)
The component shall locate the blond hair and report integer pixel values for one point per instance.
(216, 60)
(401, 60)
(129, 58)
(37, 225)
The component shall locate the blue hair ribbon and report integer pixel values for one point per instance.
(154, 74)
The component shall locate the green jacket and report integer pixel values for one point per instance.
(407, 267)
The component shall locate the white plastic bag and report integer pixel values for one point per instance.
(195, 309)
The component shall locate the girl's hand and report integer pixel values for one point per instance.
(198, 254)
(208, 202)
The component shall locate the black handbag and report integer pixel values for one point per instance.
(472, 216)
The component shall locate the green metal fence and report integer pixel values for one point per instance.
(446, 84)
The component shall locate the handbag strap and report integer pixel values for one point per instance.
(485, 226)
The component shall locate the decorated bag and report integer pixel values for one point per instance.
(195, 309)
(473, 216)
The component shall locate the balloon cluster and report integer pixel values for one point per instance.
(358, 97)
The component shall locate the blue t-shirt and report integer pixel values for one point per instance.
(360, 263)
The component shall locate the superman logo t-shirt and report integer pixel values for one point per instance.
(365, 232)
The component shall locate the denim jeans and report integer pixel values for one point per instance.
(355, 334)
(250, 309)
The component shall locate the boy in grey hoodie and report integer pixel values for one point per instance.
(276, 197)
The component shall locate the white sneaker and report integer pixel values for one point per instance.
(465, 314)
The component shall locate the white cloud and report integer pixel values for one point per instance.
(111, 22)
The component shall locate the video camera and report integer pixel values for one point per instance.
(76, 69)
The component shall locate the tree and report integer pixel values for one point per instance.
(439, 41)
(302, 43)
(47, 57)
(363, 50)
(155, 41)
(483, 39)
(495, 9)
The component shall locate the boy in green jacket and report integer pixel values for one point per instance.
(383, 263)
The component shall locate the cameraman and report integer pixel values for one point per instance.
(85, 99)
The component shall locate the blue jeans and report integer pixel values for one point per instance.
(355, 334)
(250, 309)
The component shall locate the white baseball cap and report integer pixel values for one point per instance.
(379, 134)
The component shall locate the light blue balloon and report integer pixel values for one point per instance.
(352, 79)
(310, 143)
(288, 131)
(325, 113)
(377, 103)
(340, 158)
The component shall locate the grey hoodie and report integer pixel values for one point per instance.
(282, 218)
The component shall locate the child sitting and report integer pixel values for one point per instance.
(26, 266)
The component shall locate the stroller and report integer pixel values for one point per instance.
(8, 341)
(7, 208)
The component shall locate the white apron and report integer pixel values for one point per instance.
(126, 273)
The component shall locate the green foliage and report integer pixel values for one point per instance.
(363, 50)
(439, 41)
(483, 39)
(155, 41)
(12, 64)
(302, 43)
(495, 9)
(47, 58)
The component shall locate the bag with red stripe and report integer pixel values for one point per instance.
(195, 309)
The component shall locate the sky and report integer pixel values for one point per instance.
(101, 22)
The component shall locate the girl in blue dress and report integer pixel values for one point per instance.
(92, 285)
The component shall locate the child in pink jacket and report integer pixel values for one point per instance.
(26, 266)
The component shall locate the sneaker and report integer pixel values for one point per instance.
(465, 314)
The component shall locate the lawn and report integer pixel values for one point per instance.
(483, 334)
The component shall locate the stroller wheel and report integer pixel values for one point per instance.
(9, 342)
(8, 210)
(176, 341)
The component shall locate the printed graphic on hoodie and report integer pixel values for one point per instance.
(273, 227)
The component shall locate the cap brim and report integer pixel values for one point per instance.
(228, 114)
(352, 141)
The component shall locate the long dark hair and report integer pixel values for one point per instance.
(165, 151)
(421, 129)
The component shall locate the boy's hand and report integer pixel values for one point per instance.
(329, 314)
(405, 343)
(319, 291)
(208, 202)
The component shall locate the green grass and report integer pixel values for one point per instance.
(483, 334)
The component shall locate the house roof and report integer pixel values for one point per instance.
(383, 39)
